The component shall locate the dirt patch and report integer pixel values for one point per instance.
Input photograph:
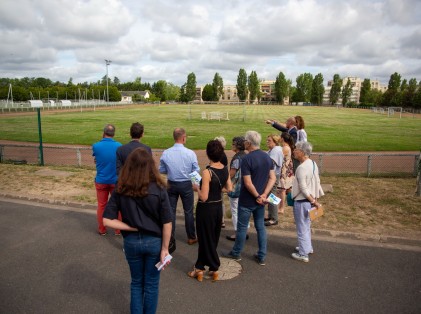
(381, 206)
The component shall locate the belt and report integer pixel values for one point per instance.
(302, 201)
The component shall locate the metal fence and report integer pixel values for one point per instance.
(367, 164)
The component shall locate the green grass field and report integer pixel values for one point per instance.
(328, 129)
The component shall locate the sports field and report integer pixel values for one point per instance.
(328, 129)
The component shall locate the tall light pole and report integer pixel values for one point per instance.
(107, 63)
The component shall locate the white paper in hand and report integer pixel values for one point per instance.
(195, 177)
(160, 265)
(273, 199)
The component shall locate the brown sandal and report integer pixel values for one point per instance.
(214, 275)
(196, 273)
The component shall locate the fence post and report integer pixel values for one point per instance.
(320, 163)
(1, 153)
(369, 165)
(41, 150)
(79, 157)
(417, 164)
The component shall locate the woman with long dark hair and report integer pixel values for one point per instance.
(146, 225)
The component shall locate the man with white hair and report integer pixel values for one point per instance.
(258, 177)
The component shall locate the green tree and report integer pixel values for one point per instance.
(335, 89)
(281, 88)
(409, 93)
(218, 87)
(116, 80)
(190, 88)
(317, 89)
(365, 92)
(391, 97)
(183, 96)
(114, 94)
(70, 82)
(208, 93)
(417, 98)
(254, 86)
(291, 90)
(304, 84)
(346, 92)
(160, 90)
(242, 89)
(172, 92)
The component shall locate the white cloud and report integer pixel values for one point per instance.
(162, 39)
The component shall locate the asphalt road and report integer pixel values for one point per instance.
(52, 261)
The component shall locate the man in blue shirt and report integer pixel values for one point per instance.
(104, 153)
(178, 162)
(258, 177)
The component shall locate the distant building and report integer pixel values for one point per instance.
(229, 94)
(127, 96)
(356, 84)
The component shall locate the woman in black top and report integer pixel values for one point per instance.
(209, 211)
(142, 199)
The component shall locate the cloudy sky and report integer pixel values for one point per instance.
(166, 40)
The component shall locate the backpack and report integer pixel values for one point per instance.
(236, 182)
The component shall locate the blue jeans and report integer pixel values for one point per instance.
(184, 190)
(142, 253)
(244, 214)
(303, 226)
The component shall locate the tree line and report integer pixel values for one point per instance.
(308, 89)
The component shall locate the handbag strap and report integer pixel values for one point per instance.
(213, 172)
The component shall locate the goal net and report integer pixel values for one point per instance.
(392, 110)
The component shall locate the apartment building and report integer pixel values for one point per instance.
(356, 84)
(267, 89)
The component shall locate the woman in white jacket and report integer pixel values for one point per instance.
(306, 190)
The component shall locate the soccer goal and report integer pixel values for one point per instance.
(392, 110)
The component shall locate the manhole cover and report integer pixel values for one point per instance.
(228, 269)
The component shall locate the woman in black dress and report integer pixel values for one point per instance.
(209, 211)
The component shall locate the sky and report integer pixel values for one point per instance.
(167, 40)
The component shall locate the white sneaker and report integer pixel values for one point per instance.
(299, 257)
(297, 249)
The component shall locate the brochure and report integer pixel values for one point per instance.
(195, 177)
(160, 265)
(273, 199)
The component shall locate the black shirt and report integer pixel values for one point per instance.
(124, 151)
(147, 214)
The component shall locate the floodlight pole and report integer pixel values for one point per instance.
(107, 63)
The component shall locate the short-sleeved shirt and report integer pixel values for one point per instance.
(277, 156)
(258, 165)
(147, 214)
(104, 152)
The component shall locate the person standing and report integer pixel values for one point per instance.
(235, 175)
(177, 163)
(142, 200)
(287, 169)
(289, 126)
(258, 178)
(306, 190)
(136, 133)
(104, 153)
(301, 133)
(215, 178)
(275, 152)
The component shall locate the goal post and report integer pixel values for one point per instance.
(392, 110)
